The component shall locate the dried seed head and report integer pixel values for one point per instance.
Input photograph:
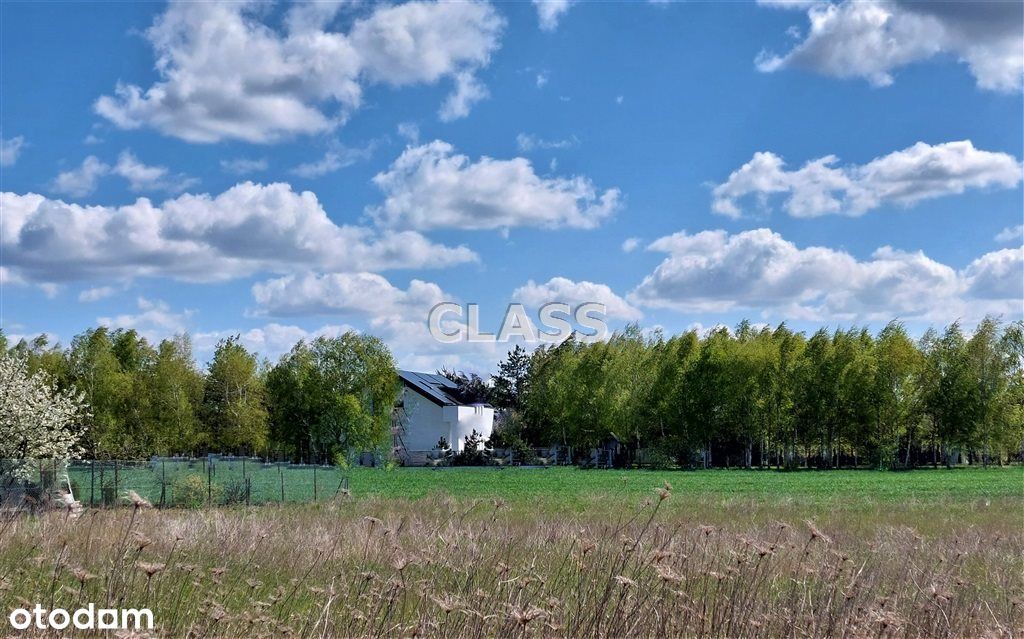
(150, 569)
(525, 616)
(817, 534)
(137, 500)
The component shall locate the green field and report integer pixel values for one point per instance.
(572, 484)
(570, 488)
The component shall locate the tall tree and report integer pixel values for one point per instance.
(234, 410)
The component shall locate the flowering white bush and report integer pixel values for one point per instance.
(37, 420)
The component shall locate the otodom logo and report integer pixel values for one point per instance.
(88, 618)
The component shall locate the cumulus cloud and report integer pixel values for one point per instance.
(344, 294)
(630, 244)
(871, 40)
(396, 315)
(566, 291)
(154, 320)
(714, 271)
(10, 150)
(247, 229)
(430, 186)
(922, 171)
(1010, 234)
(549, 12)
(271, 340)
(468, 91)
(83, 180)
(225, 73)
(142, 177)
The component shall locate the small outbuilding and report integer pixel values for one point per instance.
(429, 411)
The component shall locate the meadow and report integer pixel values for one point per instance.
(554, 552)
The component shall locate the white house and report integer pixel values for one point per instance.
(427, 411)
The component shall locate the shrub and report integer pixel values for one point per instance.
(472, 453)
(658, 459)
(192, 491)
(235, 492)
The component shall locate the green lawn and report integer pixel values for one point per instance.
(572, 488)
(567, 483)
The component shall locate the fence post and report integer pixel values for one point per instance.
(314, 484)
(209, 484)
(163, 483)
(280, 471)
(92, 483)
(117, 480)
(248, 490)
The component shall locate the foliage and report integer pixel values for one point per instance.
(469, 388)
(193, 491)
(234, 405)
(333, 395)
(473, 452)
(37, 419)
(769, 396)
(509, 385)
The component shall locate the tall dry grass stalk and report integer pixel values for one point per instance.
(445, 568)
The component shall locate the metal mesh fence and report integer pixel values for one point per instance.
(170, 482)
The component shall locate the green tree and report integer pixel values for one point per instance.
(176, 395)
(234, 410)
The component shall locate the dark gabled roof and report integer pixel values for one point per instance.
(433, 387)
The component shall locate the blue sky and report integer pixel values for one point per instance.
(280, 171)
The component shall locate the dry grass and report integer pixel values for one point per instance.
(442, 567)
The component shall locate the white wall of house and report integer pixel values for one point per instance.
(467, 419)
(427, 422)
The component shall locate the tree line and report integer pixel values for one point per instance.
(325, 396)
(744, 397)
(772, 396)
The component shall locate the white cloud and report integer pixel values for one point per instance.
(83, 180)
(549, 12)
(247, 229)
(566, 291)
(468, 91)
(542, 79)
(244, 166)
(429, 186)
(1010, 234)
(410, 131)
(344, 294)
(10, 150)
(903, 178)
(225, 73)
(142, 177)
(872, 39)
(398, 316)
(630, 244)
(271, 340)
(714, 271)
(527, 143)
(154, 321)
(997, 275)
(338, 157)
(96, 294)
